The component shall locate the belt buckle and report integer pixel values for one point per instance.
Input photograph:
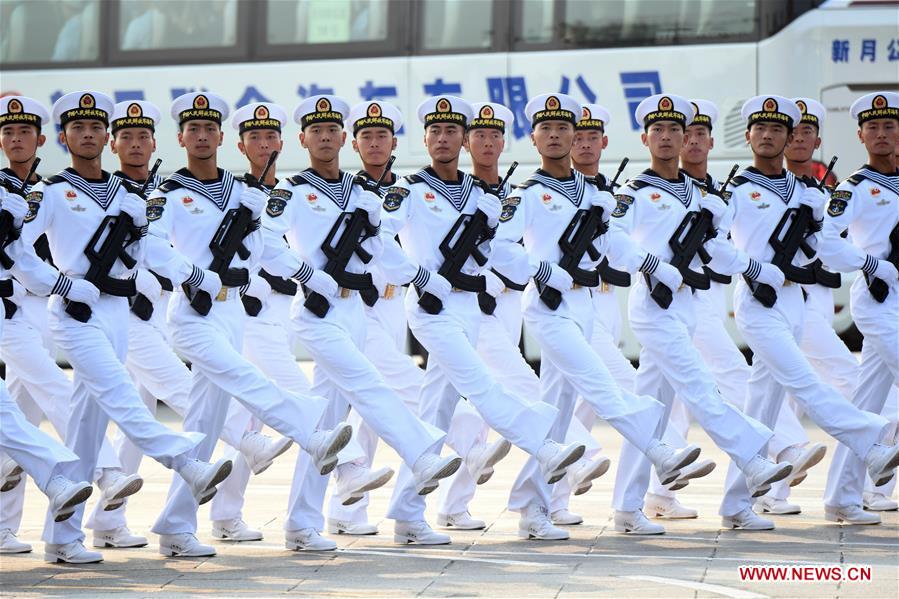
(389, 290)
(345, 293)
(682, 285)
(604, 287)
(575, 286)
(222, 294)
(788, 283)
(506, 290)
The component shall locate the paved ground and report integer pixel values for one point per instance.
(694, 559)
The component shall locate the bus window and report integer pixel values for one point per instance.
(457, 24)
(326, 21)
(49, 31)
(537, 21)
(154, 25)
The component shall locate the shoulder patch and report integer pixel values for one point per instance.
(296, 180)
(35, 196)
(510, 205)
(725, 195)
(838, 202)
(636, 185)
(526, 184)
(394, 197)
(277, 201)
(624, 202)
(168, 185)
(413, 179)
(53, 180)
(841, 194)
(155, 207)
(34, 205)
(738, 181)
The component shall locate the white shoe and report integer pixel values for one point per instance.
(64, 495)
(184, 545)
(354, 481)
(586, 471)
(430, 468)
(461, 520)
(202, 478)
(324, 445)
(773, 505)
(564, 517)
(234, 530)
(308, 539)
(747, 520)
(116, 486)
(697, 469)
(761, 472)
(343, 527)
(419, 532)
(10, 544)
(535, 524)
(668, 461)
(878, 502)
(636, 523)
(882, 461)
(481, 460)
(554, 459)
(10, 474)
(70, 553)
(802, 458)
(851, 514)
(660, 506)
(261, 450)
(118, 538)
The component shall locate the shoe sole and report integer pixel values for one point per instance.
(660, 515)
(358, 494)
(765, 485)
(838, 520)
(10, 483)
(15, 551)
(802, 468)
(562, 467)
(486, 474)
(728, 523)
(400, 540)
(448, 470)
(210, 490)
(119, 499)
(299, 547)
(874, 508)
(886, 473)
(172, 553)
(774, 513)
(263, 466)
(338, 443)
(674, 473)
(443, 523)
(631, 531)
(798, 479)
(230, 539)
(108, 545)
(342, 531)
(53, 559)
(65, 510)
(598, 470)
(503, 449)
(559, 523)
(525, 534)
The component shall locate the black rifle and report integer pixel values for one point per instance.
(607, 274)
(878, 287)
(356, 227)
(457, 247)
(228, 241)
(787, 239)
(102, 253)
(253, 305)
(686, 242)
(142, 306)
(8, 232)
(576, 240)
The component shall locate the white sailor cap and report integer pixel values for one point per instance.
(490, 115)
(374, 113)
(19, 110)
(593, 116)
(321, 109)
(135, 113)
(199, 106)
(445, 109)
(704, 113)
(258, 115)
(877, 105)
(771, 109)
(664, 107)
(552, 107)
(76, 106)
(812, 111)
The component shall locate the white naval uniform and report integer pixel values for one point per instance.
(187, 213)
(779, 366)
(867, 204)
(649, 210)
(422, 209)
(69, 209)
(303, 208)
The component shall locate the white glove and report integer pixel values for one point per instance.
(668, 276)
(255, 199)
(371, 203)
(258, 288)
(147, 284)
(768, 274)
(885, 271)
(136, 207)
(16, 206)
(559, 278)
(211, 283)
(82, 292)
(18, 292)
(606, 201)
(490, 205)
(815, 199)
(322, 283)
(715, 205)
(437, 286)
(495, 286)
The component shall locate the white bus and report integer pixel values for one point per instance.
(615, 52)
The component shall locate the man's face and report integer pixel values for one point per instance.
(201, 139)
(84, 138)
(133, 145)
(553, 139)
(20, 142)
(665, 139)
(698, 142)
(880, 136)
(588, 146)
(485, 145)
(768, 140)
(257, 145)
(374, 145)
(444, 141)
(803, 144)
(323, 140)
